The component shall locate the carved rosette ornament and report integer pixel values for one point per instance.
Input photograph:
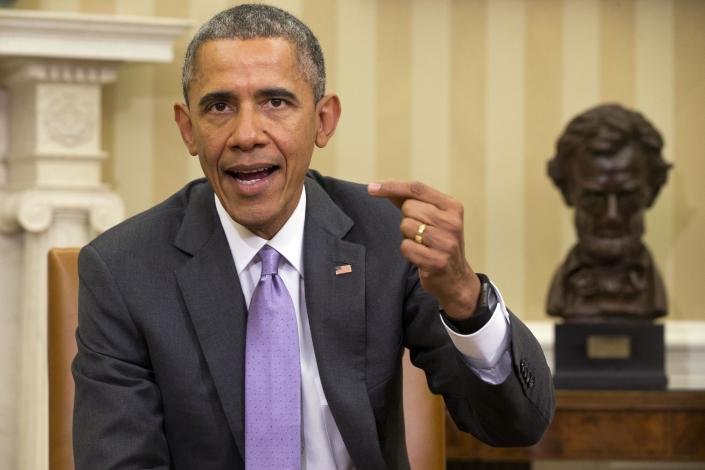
(69, 118)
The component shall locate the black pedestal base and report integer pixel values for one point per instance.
(609, 356)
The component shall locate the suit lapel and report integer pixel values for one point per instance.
(335, 305)
(213, 297)
(336, 312)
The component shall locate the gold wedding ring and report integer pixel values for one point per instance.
(418, 238)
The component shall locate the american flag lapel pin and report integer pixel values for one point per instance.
(343, 269)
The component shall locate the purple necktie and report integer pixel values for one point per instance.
(272, 374)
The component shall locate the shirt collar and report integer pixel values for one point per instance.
(288, 241)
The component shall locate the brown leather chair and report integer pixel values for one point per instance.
(62, 320)
(424, 413)
(424, 421)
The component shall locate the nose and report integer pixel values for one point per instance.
(612, 209)
(247, 132)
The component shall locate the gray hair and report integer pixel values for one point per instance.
(251, 21)
(604, 130)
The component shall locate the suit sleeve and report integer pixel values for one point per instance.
(118, 419)
(515, 412)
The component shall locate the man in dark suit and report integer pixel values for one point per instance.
(166, 297)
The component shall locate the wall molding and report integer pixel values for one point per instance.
(89, 37)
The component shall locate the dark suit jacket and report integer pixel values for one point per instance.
(160, 364)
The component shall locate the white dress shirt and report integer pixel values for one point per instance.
(486, 351)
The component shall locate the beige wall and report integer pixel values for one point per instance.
(469, 96)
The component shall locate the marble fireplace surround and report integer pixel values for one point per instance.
(52, 69)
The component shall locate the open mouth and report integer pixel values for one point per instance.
(254, 175)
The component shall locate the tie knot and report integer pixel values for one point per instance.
(270, 260)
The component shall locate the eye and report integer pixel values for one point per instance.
(592, 202)
(219, 107)
(630, 201)
(277, 103)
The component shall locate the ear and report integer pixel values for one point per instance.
(182, 117)
(328, 111)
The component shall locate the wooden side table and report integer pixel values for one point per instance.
(607, 425)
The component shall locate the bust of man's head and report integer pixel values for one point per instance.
(609, 167)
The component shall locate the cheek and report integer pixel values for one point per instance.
(583, 220)
(211, 139)
(296, 151)
(208, 162)
(203, 162)
(293, 133)
(636, 223)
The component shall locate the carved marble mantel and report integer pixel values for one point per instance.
(52, 68)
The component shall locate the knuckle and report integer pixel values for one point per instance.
(453, 222)
(455, 209)
(406, 246)
(455, 205)
(417, 187)
(445, 259)
(407, 227)
(448, 222)
(439, 262)
(459, 233)
(453, 245)
(426, 277)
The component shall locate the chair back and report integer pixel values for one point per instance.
(61, 333)
(424, 420)
(424, 413)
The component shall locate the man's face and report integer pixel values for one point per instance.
(610, 194)
(252, 121)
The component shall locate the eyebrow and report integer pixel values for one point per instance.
(215, 96)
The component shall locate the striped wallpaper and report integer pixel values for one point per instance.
(469, 96)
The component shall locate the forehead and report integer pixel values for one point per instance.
(259, 61)
(625, 169)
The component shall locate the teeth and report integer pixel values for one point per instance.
(256, 170)
(249, 181)
(252, 176)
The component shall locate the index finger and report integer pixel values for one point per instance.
(400, 191)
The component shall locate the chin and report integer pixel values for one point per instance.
(253, 222)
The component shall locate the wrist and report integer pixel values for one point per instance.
(480, 315)
(466, 301)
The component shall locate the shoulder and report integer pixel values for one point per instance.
(154, 228)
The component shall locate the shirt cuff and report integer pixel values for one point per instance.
(487, 351)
